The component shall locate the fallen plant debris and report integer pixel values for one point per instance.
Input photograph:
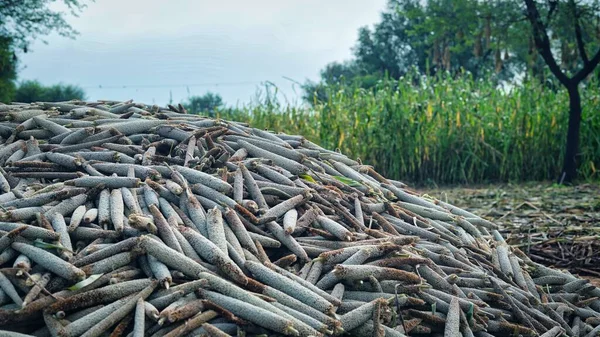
(126, 219)
(555, 225)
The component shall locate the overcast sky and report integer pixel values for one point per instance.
(145, 50)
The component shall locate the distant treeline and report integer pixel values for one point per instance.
(34, 91)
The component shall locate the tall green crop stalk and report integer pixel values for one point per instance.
(442, 130)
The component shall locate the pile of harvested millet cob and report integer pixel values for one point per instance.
(132, 220)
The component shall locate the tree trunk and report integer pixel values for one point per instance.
(569, 172)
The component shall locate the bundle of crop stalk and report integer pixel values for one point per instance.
(129, 220)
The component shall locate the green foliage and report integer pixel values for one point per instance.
(476, 36)
(21, 22)
(335, 74)
(34, 91)
(8, 74)
(24, 21)
(560, 19)
(495, 40)
(208, 103)
(447, 129)
(469, 34)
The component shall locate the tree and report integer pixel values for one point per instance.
(208, 103)
(33, 91)
(335, 73)
(441, 36)
(471, 35)
(21, 22)
(581, 20)
(24, 21)
(434, 36)
(392, 47)
(8, 72)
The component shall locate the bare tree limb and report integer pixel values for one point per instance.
(542, 42)
(587, 68)
(578, 35)
(553, 6)
(580, 43)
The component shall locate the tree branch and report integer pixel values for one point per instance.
(553, 5)
(587, 68)
(580, 43)
(578, 35)
(542, 42)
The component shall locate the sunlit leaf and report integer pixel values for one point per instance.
(347, 181)
(470, 312)
(85, 282)
(307, 178)
(44, 245)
